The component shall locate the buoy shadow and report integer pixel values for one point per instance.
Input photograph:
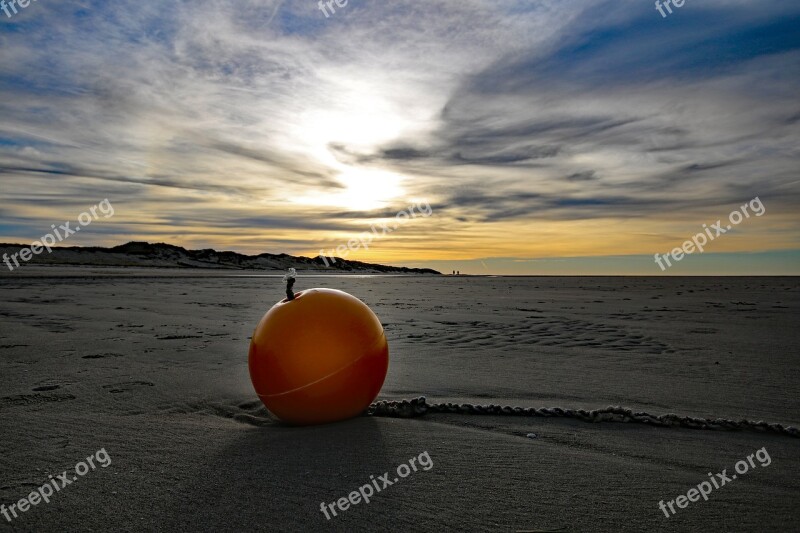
(281, 474)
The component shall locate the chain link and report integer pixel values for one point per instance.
(420, 407)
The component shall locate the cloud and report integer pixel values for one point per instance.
(586, 175)
(653, 106)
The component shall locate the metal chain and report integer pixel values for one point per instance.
(420, 407)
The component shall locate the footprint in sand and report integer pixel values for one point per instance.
(101, 355)
(33, 399)
(126, 386)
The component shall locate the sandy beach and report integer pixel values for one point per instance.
(151, 366)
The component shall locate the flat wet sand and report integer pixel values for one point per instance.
(152, 367)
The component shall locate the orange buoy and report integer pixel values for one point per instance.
(317, 358)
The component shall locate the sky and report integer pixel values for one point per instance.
(547, 137)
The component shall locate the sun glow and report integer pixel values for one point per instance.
(363, 190)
